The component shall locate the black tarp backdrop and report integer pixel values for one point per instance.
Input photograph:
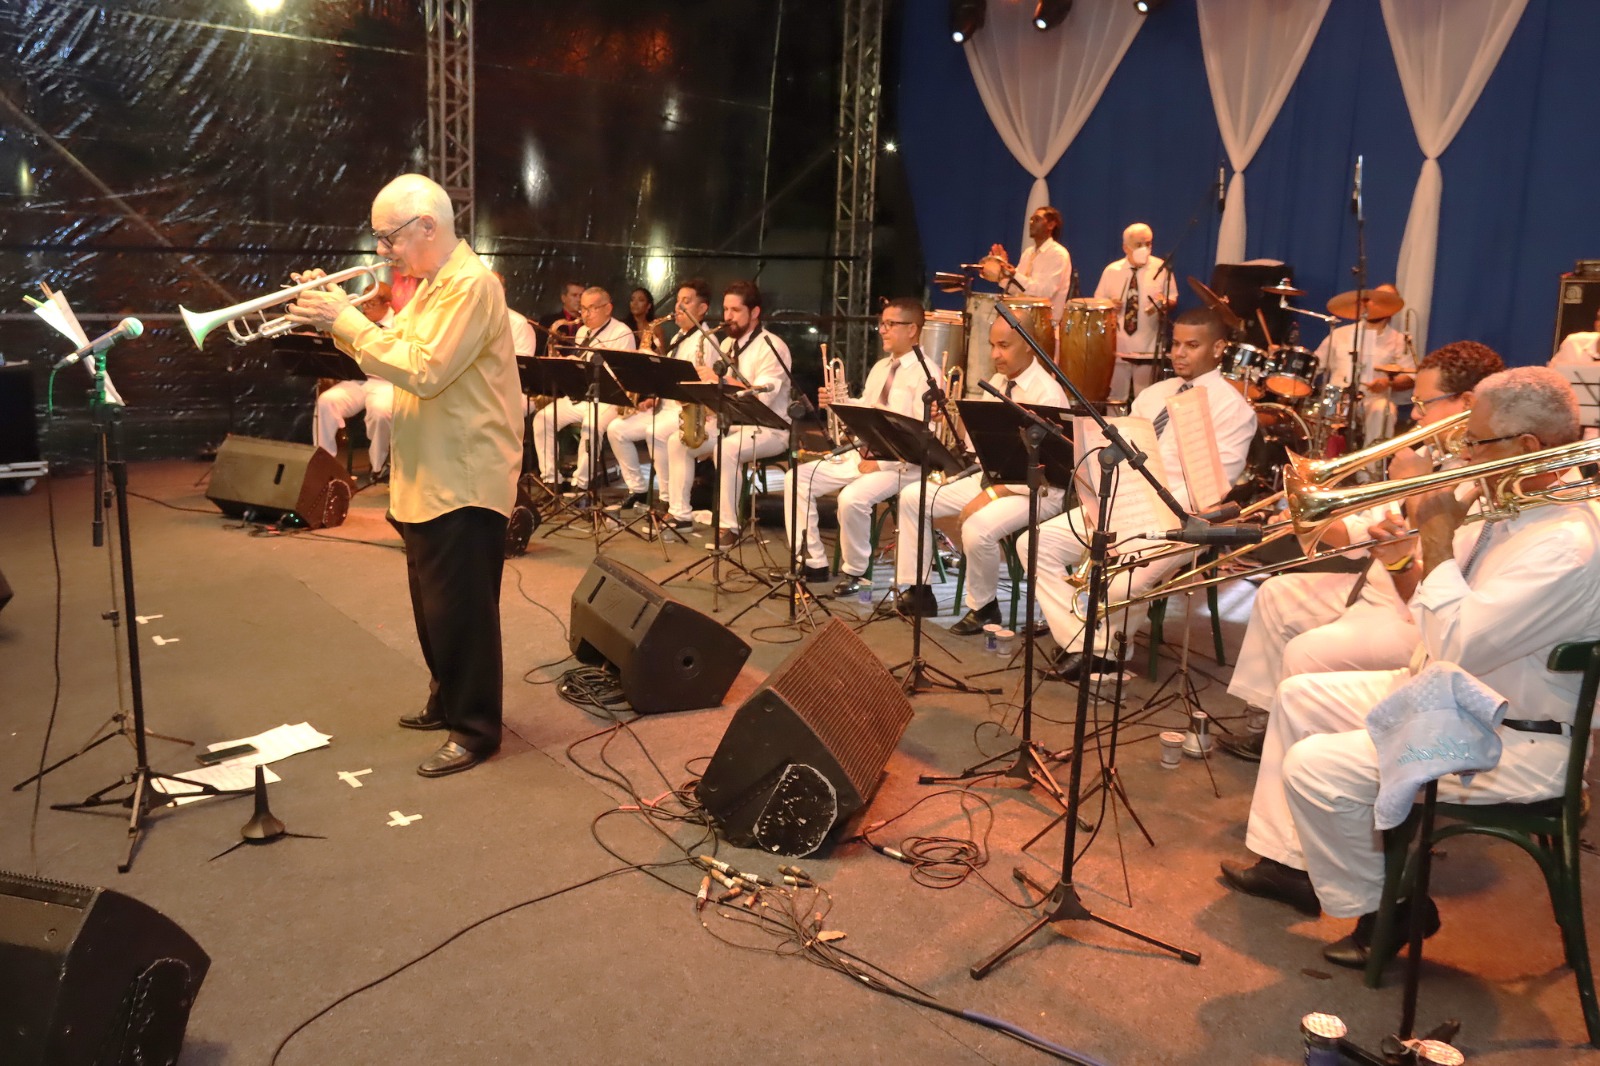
(164, 152)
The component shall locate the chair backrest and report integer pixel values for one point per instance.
(1570, 658)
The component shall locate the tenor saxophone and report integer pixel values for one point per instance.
(951, 432)
(692, 416)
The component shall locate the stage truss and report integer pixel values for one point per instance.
(860, 100)
(451, 110)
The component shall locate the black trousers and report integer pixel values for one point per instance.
(453, 564)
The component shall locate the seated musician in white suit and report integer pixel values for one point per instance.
(673, 458)
(988, 512)
(598, 330)
(345, 399)
(1321, 622)
(1494, 599)
(897, 382)
(1198, 339)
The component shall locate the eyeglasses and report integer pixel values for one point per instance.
(889, 323)
(387, 237)
(1421, 405)
(1474, 442)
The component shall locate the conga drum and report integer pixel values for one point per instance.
(1088, 348)
(1033, 313)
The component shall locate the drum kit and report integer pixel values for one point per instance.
(1298, 409)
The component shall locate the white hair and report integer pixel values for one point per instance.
(418, 194)
(1530, 399)
(1137, 228)
(595, 290)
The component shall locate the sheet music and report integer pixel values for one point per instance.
(1190, 415)
(1135, 507)
(1585, 382)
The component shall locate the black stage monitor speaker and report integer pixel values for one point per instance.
(1577, 305)
(670, 657)
(276, 477)
(806, 750)
(91, 976)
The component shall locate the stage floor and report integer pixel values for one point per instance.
(242, 632)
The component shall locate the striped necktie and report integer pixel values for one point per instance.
(1162, 416)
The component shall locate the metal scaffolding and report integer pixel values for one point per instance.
(860, 97)
(452, 112)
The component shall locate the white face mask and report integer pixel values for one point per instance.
(1140, 255)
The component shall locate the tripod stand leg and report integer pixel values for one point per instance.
(136, 803)
(59, 763)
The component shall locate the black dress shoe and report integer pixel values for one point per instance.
(815, 573)
(679, 525)
(727, 538)
(974, 620)
(849, 584)
(451, 758)
(630, 501)
(1274, 880)
(917, 601)
(1354, 950)
(425, 720)
(1075, 666)
(1247, 747)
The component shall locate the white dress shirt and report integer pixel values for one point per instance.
(1115, 282)
(1578, 348)
(523, 341)
(1045, 270)
(763, 359)
(613, 335)
(907, 387)
(1233, 421)
(1378, 348)
(1033, 385)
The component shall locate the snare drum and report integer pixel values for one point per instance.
(1034, 314)
(1245, 365)
(1088, 346)
(1327, 406)
(1292, 372)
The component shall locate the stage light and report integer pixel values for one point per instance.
(265, 7)
(1050, 13)
(966, 18)
(890, 147)
(1144, 7)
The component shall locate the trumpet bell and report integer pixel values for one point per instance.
(201, 325)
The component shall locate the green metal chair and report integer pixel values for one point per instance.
(1008, 552)
(1158, 618)
(1547, 830)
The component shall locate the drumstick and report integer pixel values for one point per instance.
(1261, 318)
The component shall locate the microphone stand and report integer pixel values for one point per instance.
(143, 795)
(1353, 390)
(1061, 903)
(1163, 366)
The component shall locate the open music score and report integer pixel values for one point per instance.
(1135, 507)
(1190, 418)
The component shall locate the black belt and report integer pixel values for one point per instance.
(1542, 725)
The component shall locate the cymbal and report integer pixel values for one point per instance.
(1283, 288)
(1219, 304)
(1390, 368)
(1380, 304)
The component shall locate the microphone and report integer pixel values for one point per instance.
(1222, 189)
(1355, 192)
(1225, 513)
(751, 391)
(975, 468)
(1198, 532)
(127, 329)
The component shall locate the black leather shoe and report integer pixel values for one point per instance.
(974, 620)
(451, 758)
(1354, 950)
(1074, 666)
(816, 574)
(1247, 747)
(727, 538)
(1274, 880)
(849, 584)
(425, 720)
(917, 601)
(630, 501)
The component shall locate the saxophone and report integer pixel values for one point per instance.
(951, 432)
(692, 416)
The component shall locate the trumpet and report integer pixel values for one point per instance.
(838, 386)
(201, 324)
(1302, 478)
(952, 433)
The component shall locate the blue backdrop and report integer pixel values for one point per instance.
(1519, 207)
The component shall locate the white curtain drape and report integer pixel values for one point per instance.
(1445, 51)
(1040, 88)
(1254, 50)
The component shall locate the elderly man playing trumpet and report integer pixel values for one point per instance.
(1321, 622)
(455, 453)
(1494, 598)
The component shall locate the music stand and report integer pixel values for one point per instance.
(536, 381)
(733, 406)
(648, 376)
(316, 363)
(587, 382)
(1018, 443)
(1585, 382)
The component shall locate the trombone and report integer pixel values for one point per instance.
(1302, 476)
(202, 323)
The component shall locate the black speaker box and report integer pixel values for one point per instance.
(88, 975)
(276, 478)
(1576, 306)
(19, 431)
(806, 750)
(670, 657)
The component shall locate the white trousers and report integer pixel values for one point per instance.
(1378, 414)
(346, 399)
(741, 445)
(625, 433)
(1300, 625)
(557, 416)
(676, 466)
(858, 494)
(1129, 379)
(1318, 781)
(980, 534)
